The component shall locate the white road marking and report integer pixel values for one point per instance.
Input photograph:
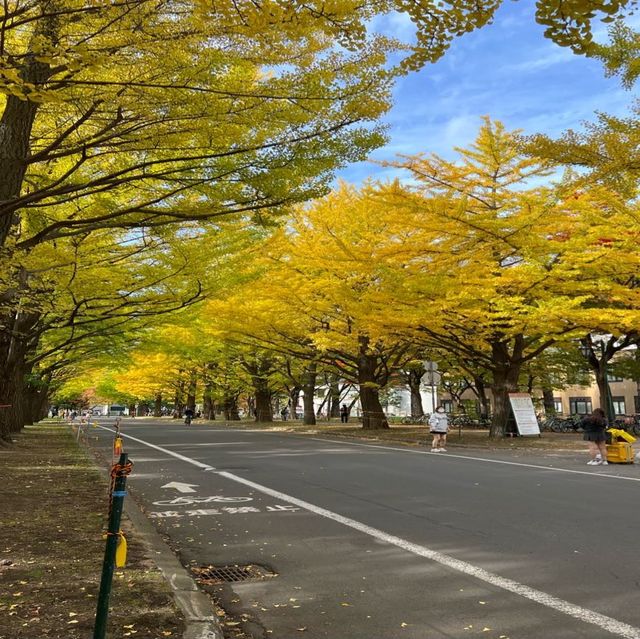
(195, 462)
(207, 444)
(591, 473)
(583, 614)
(609, 624)
(189, 501)
(181, 487)
(292, 452)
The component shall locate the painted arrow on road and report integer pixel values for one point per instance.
(180, 487)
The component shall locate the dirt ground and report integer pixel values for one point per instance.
(54, 512)
(418, 435)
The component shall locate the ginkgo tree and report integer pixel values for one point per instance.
(482, 259)
(136, 114)
(315, 294)
(498, 269)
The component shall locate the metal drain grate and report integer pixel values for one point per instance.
(230, 574)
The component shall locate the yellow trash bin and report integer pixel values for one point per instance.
(620, 452)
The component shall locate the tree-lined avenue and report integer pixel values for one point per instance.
(363, 553)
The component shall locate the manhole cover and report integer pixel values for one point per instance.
(230, 574)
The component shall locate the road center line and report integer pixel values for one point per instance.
(609, 624)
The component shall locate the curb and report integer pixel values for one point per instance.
(195, 605)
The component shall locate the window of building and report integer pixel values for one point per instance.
(580, 405)
(470, 407)
(636, 403)
(447, 404)
(557, 405)
(618, 406)
(614, 378)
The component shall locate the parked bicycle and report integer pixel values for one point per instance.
(558, 424)
(629, 423)
(468, 421)
(409, 419)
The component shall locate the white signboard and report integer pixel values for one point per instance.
(524, 413)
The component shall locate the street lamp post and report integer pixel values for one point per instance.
(431, 372)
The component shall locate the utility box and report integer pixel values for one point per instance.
(620, 452)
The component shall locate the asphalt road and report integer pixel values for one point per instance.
(381, 542)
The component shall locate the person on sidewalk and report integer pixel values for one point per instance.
(439, 425)
(594, 427)
(344, 414)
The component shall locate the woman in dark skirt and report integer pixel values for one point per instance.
(594, 427)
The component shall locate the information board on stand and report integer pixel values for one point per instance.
(524, 414)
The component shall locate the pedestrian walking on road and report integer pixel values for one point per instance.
(594, 427)
(439, 425)
(344, 414)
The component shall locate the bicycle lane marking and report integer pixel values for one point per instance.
(194, 501)
(585, 615)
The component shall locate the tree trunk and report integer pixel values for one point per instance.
(505, 381)
(11, 406)
(191, 392)
(208, 407)
(16, 124)
(294, 396)
(547, 400)
(35, 403)
(308, 390)
(251, 406)
(230, 408)
(373, 417)
(178, 406)
(604, 391)
(16, 341)
(324, 402)
(413, 380)
(334, 397)
(481, 393)
(264, 412)
(29, 402)
(15, 133)
(18, 118)
(157, 405)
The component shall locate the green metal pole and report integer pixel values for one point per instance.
(115, 515)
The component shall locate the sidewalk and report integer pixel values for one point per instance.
(54, 509)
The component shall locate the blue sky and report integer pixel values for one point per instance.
(506, 70)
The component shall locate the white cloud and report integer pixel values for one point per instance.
(507, 71)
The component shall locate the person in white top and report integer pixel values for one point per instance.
(439, 425)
